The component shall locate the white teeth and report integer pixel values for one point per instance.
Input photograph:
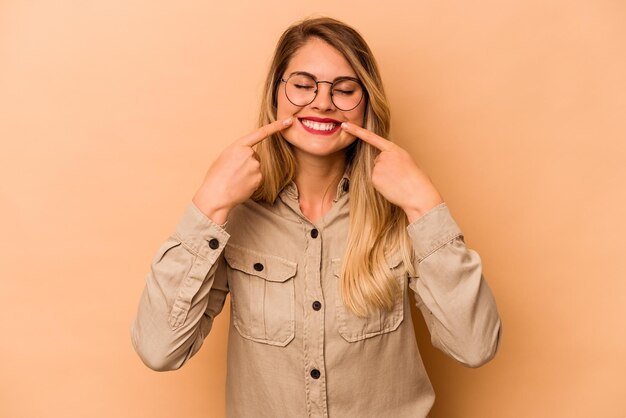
(319, 126)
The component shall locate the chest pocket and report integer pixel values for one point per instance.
(262, 294)
(353, 328)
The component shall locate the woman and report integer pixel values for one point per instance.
(318, 234)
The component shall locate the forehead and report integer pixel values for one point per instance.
(320, 59)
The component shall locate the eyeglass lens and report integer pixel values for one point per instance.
(301, 90)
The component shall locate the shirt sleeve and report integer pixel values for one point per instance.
(184, 291)
(451, 291)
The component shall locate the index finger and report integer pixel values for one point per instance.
(264, 131)
(367, 136)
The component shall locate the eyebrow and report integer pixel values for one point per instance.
(315, 78)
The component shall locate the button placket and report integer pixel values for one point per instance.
(314, 323)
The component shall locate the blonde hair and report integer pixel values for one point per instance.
(377, 227)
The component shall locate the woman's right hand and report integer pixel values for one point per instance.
(234, 176)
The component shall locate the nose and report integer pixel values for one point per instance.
(323, 100)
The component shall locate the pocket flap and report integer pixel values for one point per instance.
(269, 267)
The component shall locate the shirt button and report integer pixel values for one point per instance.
(314, 233)
(317, 305)
(258, 266)
(214, 244)
(315, 374)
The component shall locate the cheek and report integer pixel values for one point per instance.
(281, 109)
(357, 115)
(284, 108)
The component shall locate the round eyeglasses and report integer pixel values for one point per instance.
(345, 92)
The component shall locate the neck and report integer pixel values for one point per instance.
(317, 178)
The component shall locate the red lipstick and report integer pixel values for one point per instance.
(310, 129)
(322, 120)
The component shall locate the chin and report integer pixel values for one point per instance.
(316, 151)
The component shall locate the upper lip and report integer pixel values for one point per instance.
(322, 120)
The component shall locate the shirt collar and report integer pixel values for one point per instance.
(343, 186)
(291, 190)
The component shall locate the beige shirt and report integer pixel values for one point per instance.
(294, 350)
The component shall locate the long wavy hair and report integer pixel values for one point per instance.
(377, 227)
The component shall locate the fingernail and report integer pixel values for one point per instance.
(287, 121)
(344, 125)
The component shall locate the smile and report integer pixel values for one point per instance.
(320, 126)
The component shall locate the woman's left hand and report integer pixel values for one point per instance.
(396, 176)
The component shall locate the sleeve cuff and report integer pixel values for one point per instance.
(432, 230)
(200, 234)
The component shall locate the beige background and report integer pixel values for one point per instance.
(111, 112)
